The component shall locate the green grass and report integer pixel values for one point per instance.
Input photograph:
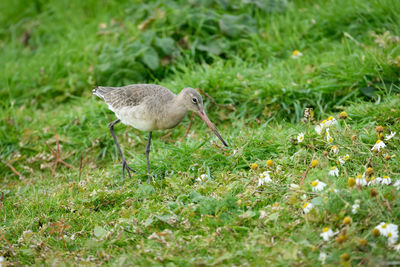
(239, 53)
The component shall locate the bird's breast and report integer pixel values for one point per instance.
(168, 122)
(137, 118)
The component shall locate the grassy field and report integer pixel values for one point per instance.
(261, 63)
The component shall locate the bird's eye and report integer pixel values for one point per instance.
(194, 100)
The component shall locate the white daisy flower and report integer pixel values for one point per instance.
(334, 149)
(378, 146)
(384, 228)
(342, 160)
(329, 138)
(300, 137)
(202, 178)
(307, 207)
(334, 171)
(390, 136)
(361, 181)
(264, 178)
(318, 129)
(296, 54)
(317, 185)
(397, 184)
(389, 230)
(386, 180)
(331, 121)
(322, 257)
(374, 181)
(355, 207)
(327, 233)
(1, 261)
(393, 236)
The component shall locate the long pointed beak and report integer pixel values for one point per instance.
(203, 115)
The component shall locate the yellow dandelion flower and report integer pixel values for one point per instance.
(351, 181)
(347, 220)
(345, 257)
(269, 163)
(314, 163)
(254, 166)
(376, 232)
(369, 171)
(379, 129)
(343, 115)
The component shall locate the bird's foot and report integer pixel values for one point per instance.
(128, 170)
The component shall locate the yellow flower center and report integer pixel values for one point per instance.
(323, 121)
(346, 157)
(389, 234)
(333, 168)
(330, 140)
(378, 141)
(385, 177)
(314, 183)
(326, 229)
(330, 118)
(296, 53)
(384, 226)
(305, 205)
(359, 176)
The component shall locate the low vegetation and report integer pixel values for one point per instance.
(302, 91)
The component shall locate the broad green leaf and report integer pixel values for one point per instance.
(150, 58)
(166, 44)
(234, 26)
(215, 47)
(148, 37)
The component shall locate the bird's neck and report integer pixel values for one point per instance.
(175, 111)
(177, 106)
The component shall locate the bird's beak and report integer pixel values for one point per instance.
(203, 115)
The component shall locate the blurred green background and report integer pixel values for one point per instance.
(269, 59)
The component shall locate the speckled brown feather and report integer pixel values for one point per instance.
(132, 95)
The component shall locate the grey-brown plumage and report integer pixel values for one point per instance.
(132, 95)
(149, 107)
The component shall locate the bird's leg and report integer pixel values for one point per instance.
(148, 157)
(124, 164)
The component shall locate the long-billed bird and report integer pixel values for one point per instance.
(150, 107)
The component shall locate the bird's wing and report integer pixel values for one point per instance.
(131, 95)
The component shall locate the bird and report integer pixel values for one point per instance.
(150, 107)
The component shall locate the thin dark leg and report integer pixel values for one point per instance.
(148, 157)
(124, 164)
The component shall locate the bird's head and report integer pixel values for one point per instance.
(193, 101)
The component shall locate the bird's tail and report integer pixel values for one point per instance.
(100, 91)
